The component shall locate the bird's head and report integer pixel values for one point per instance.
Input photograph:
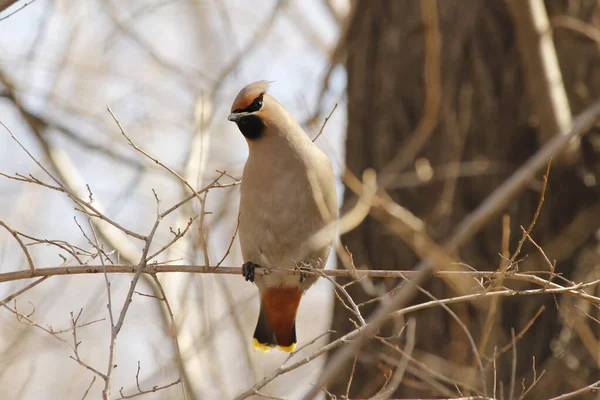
(254, 111)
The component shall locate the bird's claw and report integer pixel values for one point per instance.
(304, 267)
(248, 270)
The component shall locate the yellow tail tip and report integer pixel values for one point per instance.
(288, 349)
(265, 348)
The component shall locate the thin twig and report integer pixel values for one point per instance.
(153, 390)
(325, 122)
(89, 387)
(538, 209)
(20, 292)
(402, 366)
(8, 3)
(521, 333)
(513, 374)
(15, 234)
(173, 331)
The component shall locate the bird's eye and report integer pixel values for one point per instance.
(256, 104)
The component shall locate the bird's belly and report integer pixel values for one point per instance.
(276, 232)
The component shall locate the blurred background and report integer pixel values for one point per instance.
(169, 70)
(443, 99)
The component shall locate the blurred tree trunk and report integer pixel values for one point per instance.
(486, 122)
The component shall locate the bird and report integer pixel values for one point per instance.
(288, 211)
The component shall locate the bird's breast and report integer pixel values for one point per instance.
(277, 217)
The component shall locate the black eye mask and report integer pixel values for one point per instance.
(255, 106)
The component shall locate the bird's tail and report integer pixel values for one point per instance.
(263, 338)
(276, 324)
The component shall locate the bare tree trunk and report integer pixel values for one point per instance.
(486, 121)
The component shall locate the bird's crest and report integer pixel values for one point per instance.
(248, 94)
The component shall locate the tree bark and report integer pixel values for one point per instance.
(485, 121)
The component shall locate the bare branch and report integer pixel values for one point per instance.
(20, 292)
(15, 234)
(465, 231)
(544, 78)
(4, 4)
(153, 390)
(325, 122)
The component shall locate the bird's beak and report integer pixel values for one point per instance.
(235, 117)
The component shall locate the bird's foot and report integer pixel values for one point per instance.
(303, 267)
(248, 270)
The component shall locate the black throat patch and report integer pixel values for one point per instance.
(252, 127)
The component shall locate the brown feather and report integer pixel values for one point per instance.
(281, 306)
(247, 95)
